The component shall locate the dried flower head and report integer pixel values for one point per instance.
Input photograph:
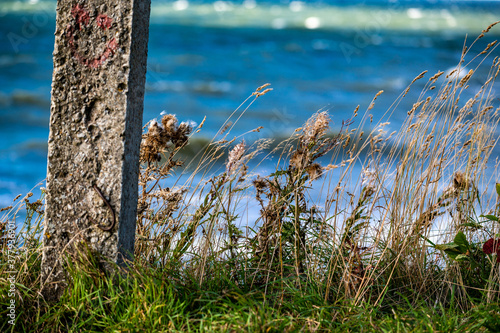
(235, 156)
(260, 184)
(298, 160)
(152, 143)
(315, 171)
(188, 125)
(459, 181)
(155, 141)
(5, 208)
(368, 178)
(169, 122)
(171, 200)
(315, 127)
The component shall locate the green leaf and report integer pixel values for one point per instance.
(462, 242)
(472, 225)
(452, 254)
(462, 257)
(498, 189)
(452, 250)
(428, 240)
(360, 226)
(279, 173)
(490, 217)
(448, 247)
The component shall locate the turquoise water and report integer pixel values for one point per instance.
(206, 57)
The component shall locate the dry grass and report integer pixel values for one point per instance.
(351, 217)
(366, 230)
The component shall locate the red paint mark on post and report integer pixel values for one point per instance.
(81, 15)
(82, 20)
(104, 21)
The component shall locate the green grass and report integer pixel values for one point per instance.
(355, 231)
(150, 299)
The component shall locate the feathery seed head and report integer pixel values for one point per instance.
(315, 127)
(235, 156)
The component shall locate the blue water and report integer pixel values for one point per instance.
(206, 57)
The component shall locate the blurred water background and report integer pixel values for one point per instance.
(206, 57)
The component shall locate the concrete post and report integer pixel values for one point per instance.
(98, 83)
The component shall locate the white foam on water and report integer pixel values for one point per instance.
(296, 6)
(181, 5)
(302, 15)
(312, 22)
(222, 6)
(414, 13)
(299, 15)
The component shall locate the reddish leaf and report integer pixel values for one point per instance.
(491, 246)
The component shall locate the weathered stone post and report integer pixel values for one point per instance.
(95, 132)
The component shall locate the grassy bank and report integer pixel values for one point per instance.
(357, 230)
